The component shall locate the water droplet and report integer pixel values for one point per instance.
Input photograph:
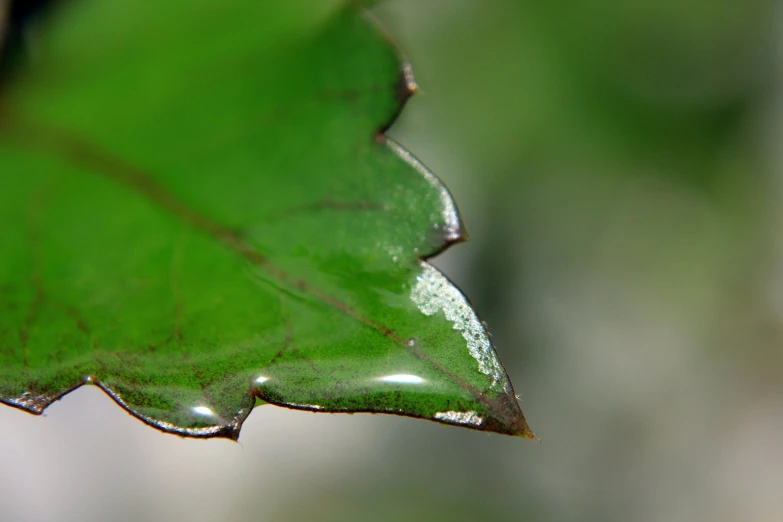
(402, 378)
(203, 410)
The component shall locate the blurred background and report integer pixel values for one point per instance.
(619, 170)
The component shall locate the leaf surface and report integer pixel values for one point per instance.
(199, 209)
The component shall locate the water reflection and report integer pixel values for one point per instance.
(203, 410)
(402, 378)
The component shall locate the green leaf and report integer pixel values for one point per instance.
(199, 208)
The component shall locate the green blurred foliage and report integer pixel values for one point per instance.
(663, 83)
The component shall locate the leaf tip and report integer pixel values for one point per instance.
(526, 433)
(507, 418)
(516, 427)
(405, 87)
(406, 84)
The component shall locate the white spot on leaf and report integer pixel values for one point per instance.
(402, 378)
(451, 228)
(433, 293)
(460, 417)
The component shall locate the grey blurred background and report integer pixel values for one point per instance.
(619, 170)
